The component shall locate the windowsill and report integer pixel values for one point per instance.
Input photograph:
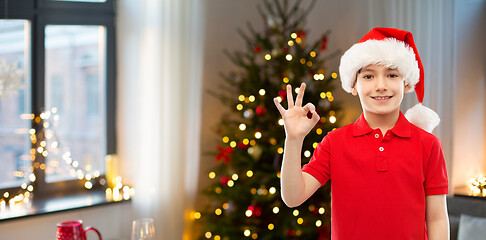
(464, 192)
(44, 206)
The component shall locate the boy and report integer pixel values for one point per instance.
(389, 178)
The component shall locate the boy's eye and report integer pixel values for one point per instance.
(392, 75)
(367, 76)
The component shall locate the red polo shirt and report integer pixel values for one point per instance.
(379, 183)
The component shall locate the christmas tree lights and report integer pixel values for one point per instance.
(244, 191)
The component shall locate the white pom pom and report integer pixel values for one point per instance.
(423, 117)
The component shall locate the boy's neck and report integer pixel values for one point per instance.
(384, 122)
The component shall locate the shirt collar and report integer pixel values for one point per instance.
(402, 128)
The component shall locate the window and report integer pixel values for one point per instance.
(57, 95)
(14, 122)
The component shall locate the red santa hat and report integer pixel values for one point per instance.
(395, 48)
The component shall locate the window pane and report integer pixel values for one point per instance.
(75, 97)
(15, 109)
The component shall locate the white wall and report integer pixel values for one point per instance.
(469, 128)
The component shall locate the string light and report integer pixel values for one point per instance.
(307, 153)
(477, 186)
(322, 210)
(268, 57)
(275, 210)
(318, 77)
(239, 107)
(332, 119)
(295, 212)
(271, 226)
(218, 211)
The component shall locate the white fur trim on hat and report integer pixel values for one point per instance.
(423, 117)
(389, 52)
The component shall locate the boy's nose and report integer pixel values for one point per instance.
(381, 84)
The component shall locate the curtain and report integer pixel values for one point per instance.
(160, 52)
(432, 25)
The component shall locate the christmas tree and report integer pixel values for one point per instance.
(244, 193)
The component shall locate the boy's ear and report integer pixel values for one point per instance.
(354, 91)
(407, 88)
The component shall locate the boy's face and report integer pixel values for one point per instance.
(380, 89)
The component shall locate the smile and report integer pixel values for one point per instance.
(382, 97)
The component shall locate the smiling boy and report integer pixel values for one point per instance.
(389, 177)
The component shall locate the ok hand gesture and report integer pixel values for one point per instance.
(297, 124)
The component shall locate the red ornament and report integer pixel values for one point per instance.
(282, 93)
(301, 34)
(260, 110)
(225, 180)
(241, 145)
(256, 211)
(324, 232)
(257, 49)
(224, 154)
(324, 43)
(290, 233)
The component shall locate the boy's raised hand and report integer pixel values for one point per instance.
(297, 124)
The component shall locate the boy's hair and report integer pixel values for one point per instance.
(394, 48)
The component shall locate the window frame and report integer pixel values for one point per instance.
(41, 13)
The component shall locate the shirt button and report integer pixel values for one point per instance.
(381, 149)
(377, 135)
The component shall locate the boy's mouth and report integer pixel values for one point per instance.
(381, 97)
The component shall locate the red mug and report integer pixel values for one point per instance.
(73, 230)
